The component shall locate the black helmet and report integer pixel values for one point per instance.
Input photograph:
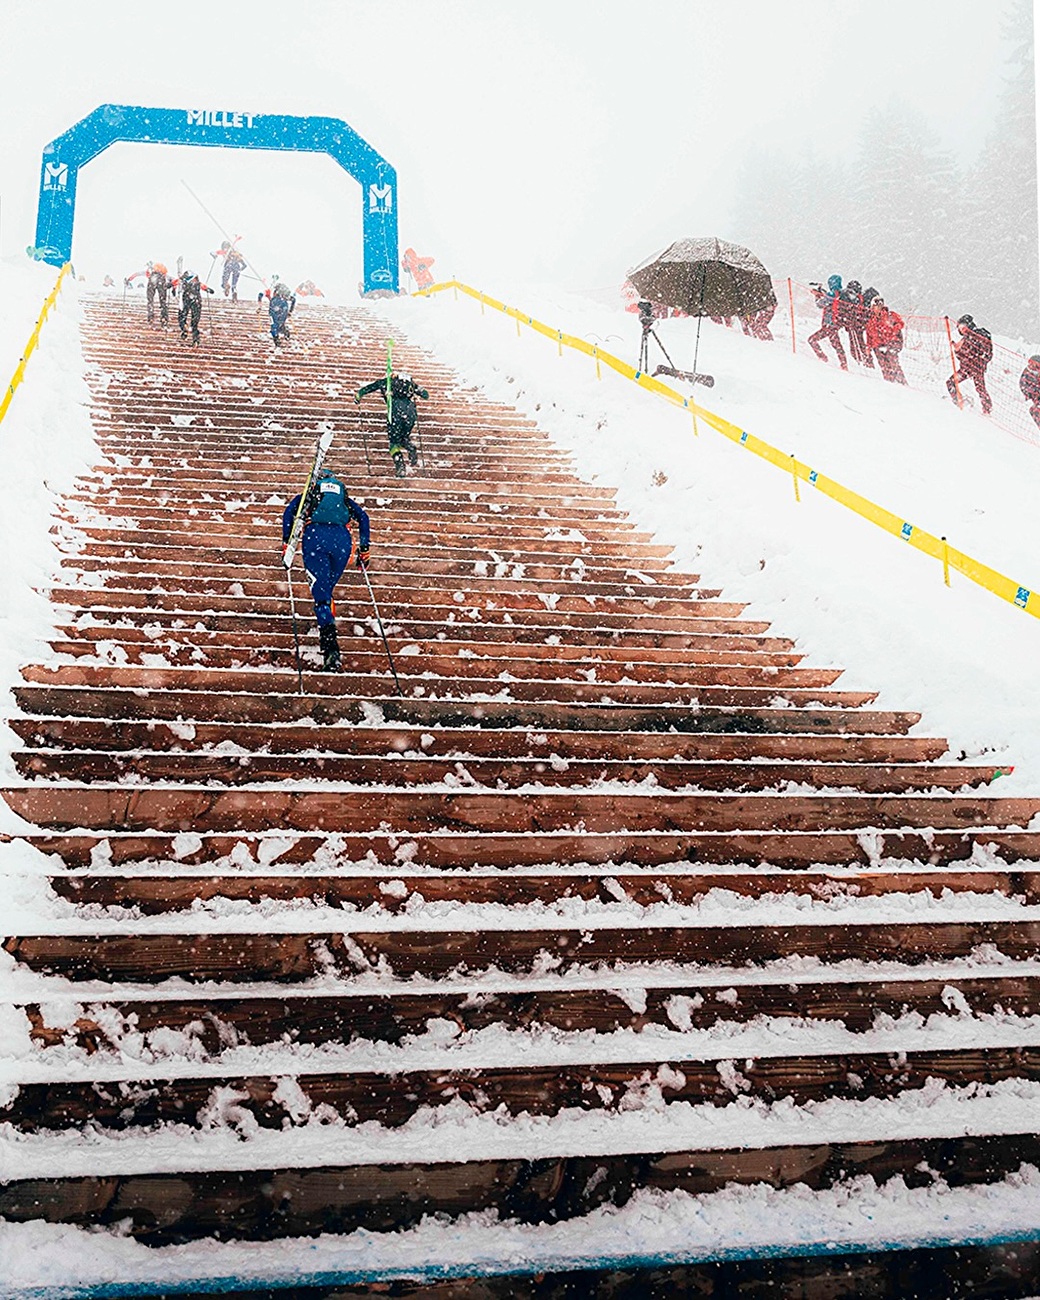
(966, 320)
(188, 275)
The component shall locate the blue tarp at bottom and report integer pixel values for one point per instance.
(488, 1268)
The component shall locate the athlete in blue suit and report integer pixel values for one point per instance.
(327, 544)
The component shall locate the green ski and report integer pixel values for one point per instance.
(389, 386)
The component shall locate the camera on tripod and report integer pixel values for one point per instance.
(647, 317)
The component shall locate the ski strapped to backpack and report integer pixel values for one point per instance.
(296, 532)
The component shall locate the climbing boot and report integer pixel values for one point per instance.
(329, 648)
(399, 468)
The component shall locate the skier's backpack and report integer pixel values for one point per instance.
(330, 502)
(984, 346)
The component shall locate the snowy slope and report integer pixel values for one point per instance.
(46, 439)
(850, 594)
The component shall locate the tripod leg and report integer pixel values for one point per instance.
(661, 346)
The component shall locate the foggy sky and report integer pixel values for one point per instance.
(556, 141)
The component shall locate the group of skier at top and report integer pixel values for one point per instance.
(327, 510)
(874, 330)
(281, 301)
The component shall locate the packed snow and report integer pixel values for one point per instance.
(848, 593)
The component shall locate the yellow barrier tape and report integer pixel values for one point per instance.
(937, 547)
(34, 338)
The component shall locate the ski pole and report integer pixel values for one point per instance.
(364, 441)
(422, 454)
(222, 230)
(295, 631)
(382, 630)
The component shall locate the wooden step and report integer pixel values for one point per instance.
(79, 640)
(214, 1021)
(393, 1097)
(155, 893)
(396, 584)
(368, 660)
(545, 770)
(790, 850)
(465, 742)
(166, 1208)
(292, 958)
(702, 616)
(270, 681)
(365, 809)
(245, 622)
(132, 702)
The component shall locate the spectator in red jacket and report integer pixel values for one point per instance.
(884, 339)
(418, 268)
(972, 353)
(757, 324)
(1029, 382)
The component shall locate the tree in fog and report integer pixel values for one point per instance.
(891, 219)
(906, 213)
(934, 237)
(794, 214)
(1000, 246)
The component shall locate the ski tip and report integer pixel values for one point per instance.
(325, 441)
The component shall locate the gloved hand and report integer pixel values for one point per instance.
(357, 399)
(424, 394)
(208, 289)
(362, 558)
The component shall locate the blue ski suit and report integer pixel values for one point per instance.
(326, 546)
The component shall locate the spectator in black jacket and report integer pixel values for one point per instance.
(856, 314)
(192, 289)
(973, 353)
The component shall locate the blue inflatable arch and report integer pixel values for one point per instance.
(225, 129)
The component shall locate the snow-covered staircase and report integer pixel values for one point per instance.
(619, 896)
